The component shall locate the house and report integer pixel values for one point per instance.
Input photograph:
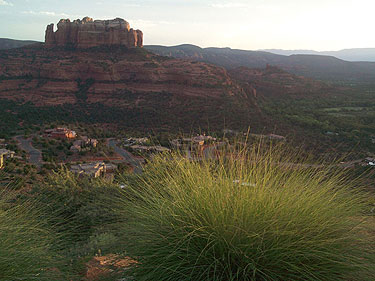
(135, 141)
(155, 148)
(202, 139)
(5, 153)
(89, 142)
(161, 149)
(198, 140)
(75, 148)
(82, 143)
(92, 170)
(61, 133)
(370, 161)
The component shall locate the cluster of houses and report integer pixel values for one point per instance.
(61, 133)
(198, 140)
(93, 170)
(199, 146)
(142, 145)
(81, 144)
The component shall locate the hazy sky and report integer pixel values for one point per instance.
(252, 24)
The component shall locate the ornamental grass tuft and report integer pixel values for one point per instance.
(247, 214)
(25, 241)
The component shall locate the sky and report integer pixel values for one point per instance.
(321, 25)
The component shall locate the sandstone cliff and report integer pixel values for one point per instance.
(88, 33)
(126, 86)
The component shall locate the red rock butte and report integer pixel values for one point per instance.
(88, 33)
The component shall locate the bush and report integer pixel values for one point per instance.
(248, 216)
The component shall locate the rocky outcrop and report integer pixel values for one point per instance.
(88, 33)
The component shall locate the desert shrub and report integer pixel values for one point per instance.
(251, 215)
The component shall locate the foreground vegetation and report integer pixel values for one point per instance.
(25, 240)
(246, 218)
(51, 231)
(251, 215)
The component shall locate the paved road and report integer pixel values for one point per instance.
(35, 155)
(128, 157)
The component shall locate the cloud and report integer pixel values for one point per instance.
(49, 14)
(229, 5)
(5, 3)
(131, 5)
(124, 5)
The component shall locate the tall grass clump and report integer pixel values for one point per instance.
(248, 214)
(25, 241)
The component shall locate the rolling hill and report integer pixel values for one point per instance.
(356, 54)
(6, 43)
(313, 66)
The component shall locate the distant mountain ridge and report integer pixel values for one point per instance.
(313, 66)
(352, 55)
(355, 54)
(6, 43)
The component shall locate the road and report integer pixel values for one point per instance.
(128, 157)
(35, 155)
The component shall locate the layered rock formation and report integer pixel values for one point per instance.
(130, 87)
(88, 33)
